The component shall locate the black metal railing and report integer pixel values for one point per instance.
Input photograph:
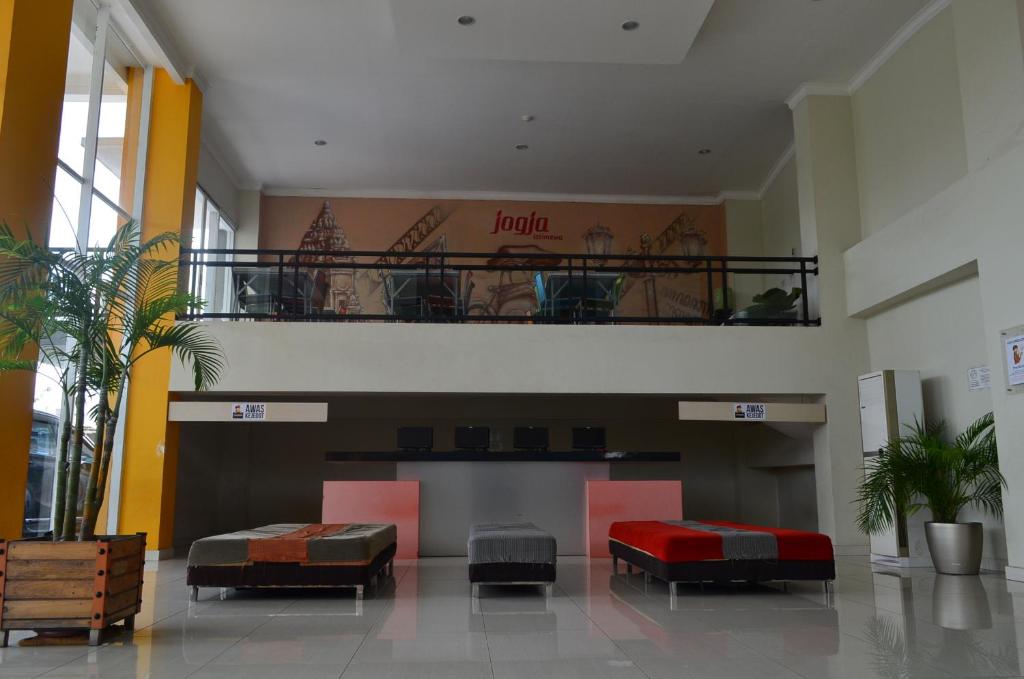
(504, 286)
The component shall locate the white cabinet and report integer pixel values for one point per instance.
(890, 400)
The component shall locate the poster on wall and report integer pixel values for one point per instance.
(752, 412)
(1013, 342)
(511, 230)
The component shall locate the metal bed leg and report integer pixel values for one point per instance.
(615, 565)
(476, 590)
(6, 638)
(95, 637)
(647, 578)
(673, 595)
(629, 568)
(549, 590)
(129, 623)
(193, 593)
(391, 568)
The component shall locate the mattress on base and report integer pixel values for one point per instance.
(510, 543)
(289, 574)
(357, 544)
(693, 541)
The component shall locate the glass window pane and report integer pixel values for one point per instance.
(110, 140)
(103, 224)
(75, 112)
(63, 221)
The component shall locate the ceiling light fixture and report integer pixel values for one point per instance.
(703, 152)
(527, 118)
(320, 142)
(630, 25)
(522, 147)
(466, 20)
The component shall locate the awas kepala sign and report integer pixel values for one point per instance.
(249, 411)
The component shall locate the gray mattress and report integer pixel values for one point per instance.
(510, 543)
(360, 543)
(738, 543)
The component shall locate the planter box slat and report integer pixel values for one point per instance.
(49, 589)
(122, 583)
(54, 623)
(52, 550)
(123, 613)
(121, 601)
(33, 609)
(123, 548)
(38, 569)
(123, 566)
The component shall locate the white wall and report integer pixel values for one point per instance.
(949, 233)
(217, 183)
(909, 126)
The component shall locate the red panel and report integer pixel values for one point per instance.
(609, 501)
(396, 502)
(668, 543)
(794, 545)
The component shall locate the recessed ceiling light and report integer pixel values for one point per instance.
(320, 142)
(630, 25)
(527, 118)
(466, 20)
(522, 147)
(703, 152)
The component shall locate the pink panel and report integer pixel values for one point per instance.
(396, 502)
(610, 501)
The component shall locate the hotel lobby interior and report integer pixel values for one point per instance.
(492, 338)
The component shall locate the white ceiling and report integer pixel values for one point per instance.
(410, 101)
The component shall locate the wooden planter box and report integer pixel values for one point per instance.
(71, 585)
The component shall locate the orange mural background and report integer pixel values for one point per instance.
(487, 226)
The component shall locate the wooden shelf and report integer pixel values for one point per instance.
(503, 456)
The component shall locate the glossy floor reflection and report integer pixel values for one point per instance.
(423, 624)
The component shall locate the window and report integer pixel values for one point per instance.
(103, 140)
(211, 230)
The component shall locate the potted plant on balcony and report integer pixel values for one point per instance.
(92, 318)
(774, 304)
(925, 470)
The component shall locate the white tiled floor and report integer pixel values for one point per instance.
(422, 625)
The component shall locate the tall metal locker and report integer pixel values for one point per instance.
(889, 400)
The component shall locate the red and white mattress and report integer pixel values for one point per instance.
(689, 541)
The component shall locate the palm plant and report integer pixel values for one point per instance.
(93, 316)
(925, 470)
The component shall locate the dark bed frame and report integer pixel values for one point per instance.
(283, 575)
(725, 570)
(512, 574)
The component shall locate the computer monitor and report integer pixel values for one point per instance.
(588, 438)
(472, 438)
(415, 438)
(530, 438)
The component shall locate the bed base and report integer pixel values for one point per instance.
(293, 575)
(699, 572)
(536, 574)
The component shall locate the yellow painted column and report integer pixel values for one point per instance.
(34, 40)
(151, 442)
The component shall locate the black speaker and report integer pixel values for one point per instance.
(415, 438)
(530, 438)
(472, 438)
(588, 438)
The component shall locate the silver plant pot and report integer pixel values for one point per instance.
(955, 547)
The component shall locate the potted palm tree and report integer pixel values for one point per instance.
(92, 317)
(926, 470)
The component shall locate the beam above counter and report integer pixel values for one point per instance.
(503, 456)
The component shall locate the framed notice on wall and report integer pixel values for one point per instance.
(1013, 346)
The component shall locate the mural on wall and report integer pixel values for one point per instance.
(404, 227)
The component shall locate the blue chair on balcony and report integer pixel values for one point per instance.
(560, 307)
